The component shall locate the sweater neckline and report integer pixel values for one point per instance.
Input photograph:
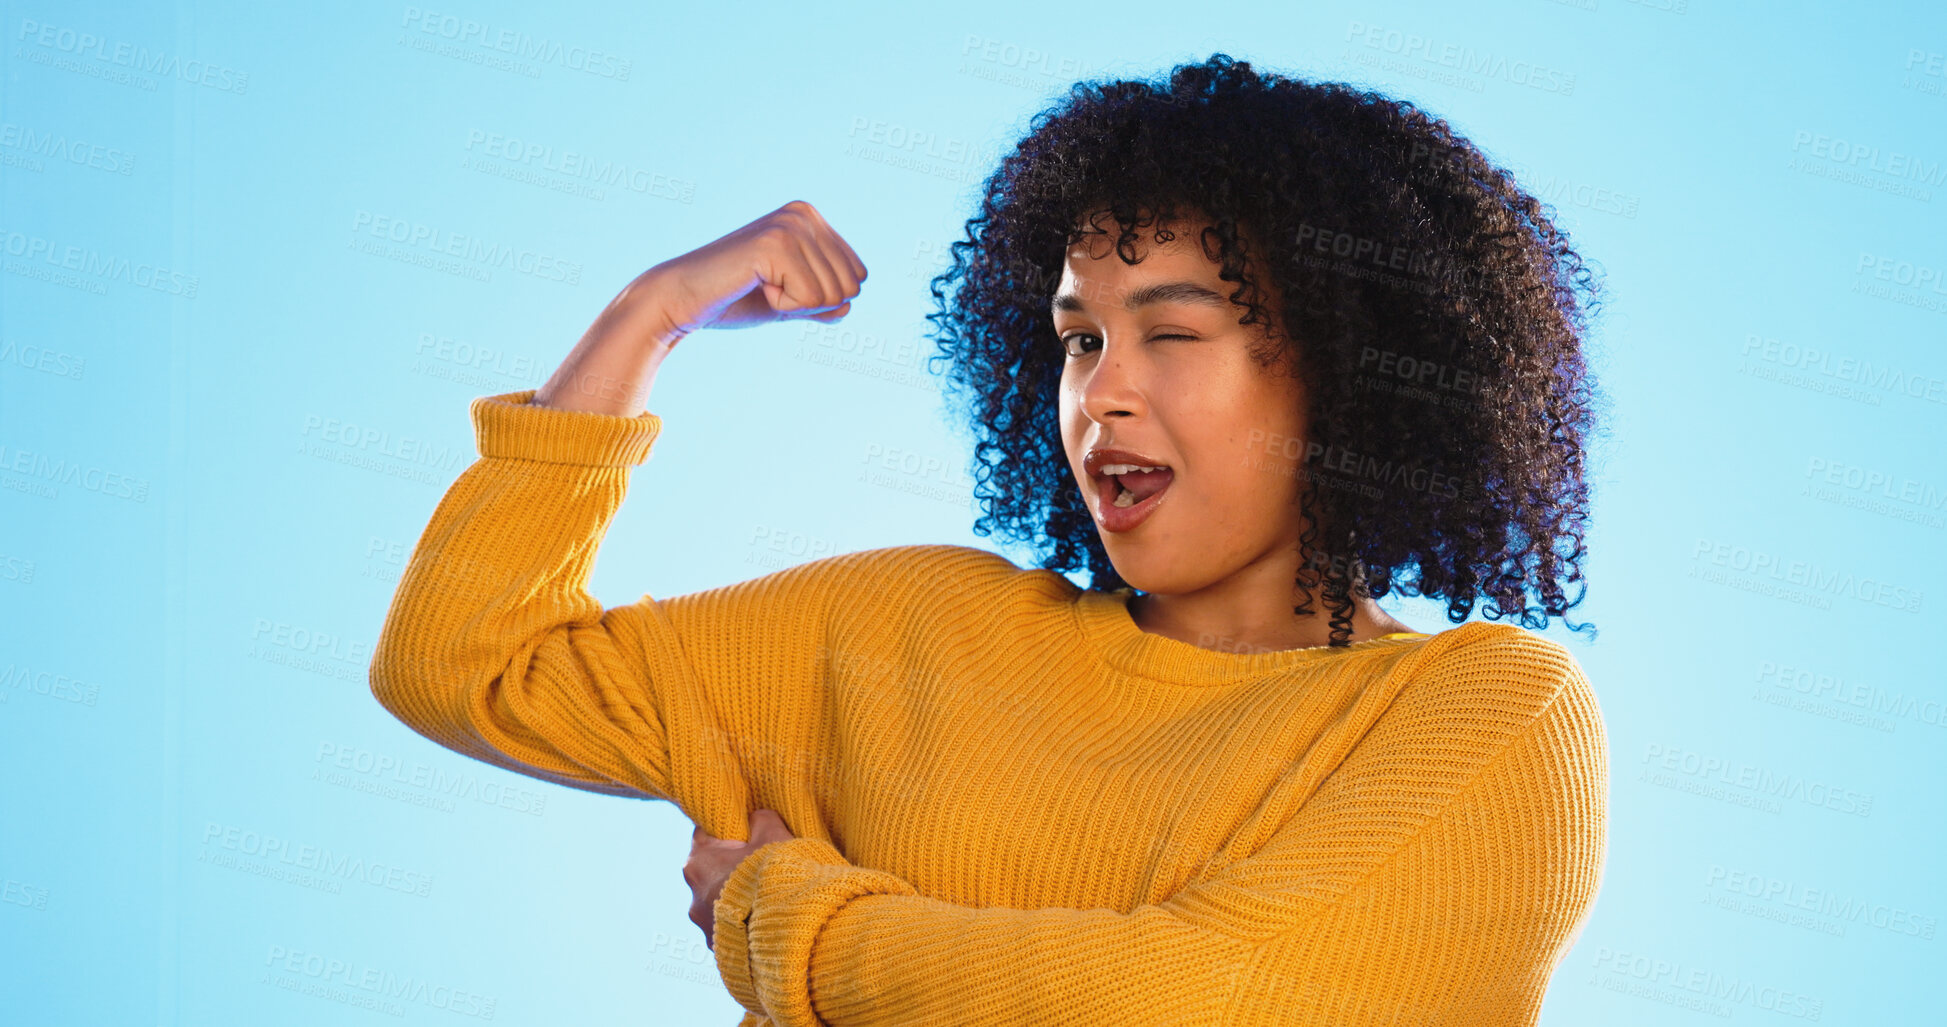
(1113, 633)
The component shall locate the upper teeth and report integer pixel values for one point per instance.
(1114, 469)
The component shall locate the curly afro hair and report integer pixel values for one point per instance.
(1431, 309)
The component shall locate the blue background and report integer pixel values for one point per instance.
(261, 404)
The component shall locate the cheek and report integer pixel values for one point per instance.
(1252, 449)
(1232, 389)
(1254, 482)
(1239, 426)
(1074, 426)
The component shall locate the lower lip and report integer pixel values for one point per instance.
(1123, 518)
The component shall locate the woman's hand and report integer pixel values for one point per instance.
(712, 861)
(787, 265)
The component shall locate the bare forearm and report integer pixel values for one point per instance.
(612, 369)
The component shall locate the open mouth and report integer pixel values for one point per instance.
(1136, 483)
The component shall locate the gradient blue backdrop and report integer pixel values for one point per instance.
(229, 401)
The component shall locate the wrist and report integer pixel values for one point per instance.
(645, 308)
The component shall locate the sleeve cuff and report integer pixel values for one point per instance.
(769, 915)
(731, 940)
(508, 425)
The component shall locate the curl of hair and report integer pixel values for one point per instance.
(1466, 480)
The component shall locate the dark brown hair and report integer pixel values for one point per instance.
(1430, 305)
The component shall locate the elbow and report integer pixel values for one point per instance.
(393, 693)
(404, 685)
(385, 688)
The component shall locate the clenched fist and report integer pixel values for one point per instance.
(789, 264)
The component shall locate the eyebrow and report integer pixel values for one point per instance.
(1161, 292)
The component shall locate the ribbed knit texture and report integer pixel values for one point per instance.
(1013, 805)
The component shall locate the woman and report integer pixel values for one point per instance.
(1300, 347)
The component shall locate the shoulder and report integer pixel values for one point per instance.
(1509, 718)
(1502, 657)
(932, 568)
(930, 559)
(906, 575)
(1506, 680)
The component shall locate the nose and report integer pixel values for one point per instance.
(1114, 387)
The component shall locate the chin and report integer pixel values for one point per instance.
(1157, 573)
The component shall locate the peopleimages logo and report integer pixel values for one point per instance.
(92, 266)
(335, 866)
(379, 989)
(1760, 781)
(56, 146)
(467, 32)
(1713, 992)
(413, 236)
(578, 166)
(1805, 575)
(117, 54)
(1822, 901)
(1842, 368)
(1922, 708)
(1892, 163)
(1463, 59)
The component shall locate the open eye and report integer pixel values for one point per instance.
(1068, 342)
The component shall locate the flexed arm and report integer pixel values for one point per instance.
(493, 646)
(1438, 876)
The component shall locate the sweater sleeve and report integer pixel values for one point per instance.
(494, 648)
(1438, 875)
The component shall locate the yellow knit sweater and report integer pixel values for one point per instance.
(1013, 806)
